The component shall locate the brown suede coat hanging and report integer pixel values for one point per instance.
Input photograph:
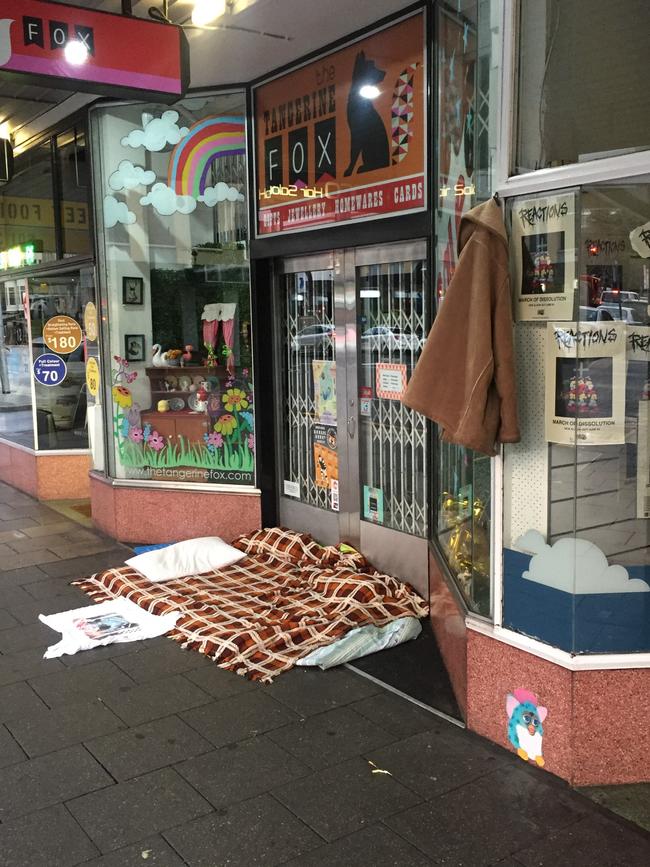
(465, 378)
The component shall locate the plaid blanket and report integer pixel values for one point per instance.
(278, 604)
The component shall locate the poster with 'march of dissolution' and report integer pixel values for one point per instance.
(585, 383)
(543, 249)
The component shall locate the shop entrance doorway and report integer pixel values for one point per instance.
(352, 459)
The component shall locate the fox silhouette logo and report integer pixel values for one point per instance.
(368, 137)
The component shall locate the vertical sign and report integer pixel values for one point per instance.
(341, 139)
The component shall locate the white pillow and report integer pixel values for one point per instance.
(186, 558)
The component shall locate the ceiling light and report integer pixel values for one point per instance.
(75, 52)
(206, 11)
(369, 91)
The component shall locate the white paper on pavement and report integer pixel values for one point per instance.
(106, 623)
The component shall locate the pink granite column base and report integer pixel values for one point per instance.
(45, 476)
(154, 515)
(595, 732)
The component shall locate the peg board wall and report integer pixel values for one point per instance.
(525, 500)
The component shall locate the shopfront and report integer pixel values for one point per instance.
(270, 259)
(46, 287)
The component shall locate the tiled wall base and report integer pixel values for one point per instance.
(596, 731)
(149, 515)
(47, 477)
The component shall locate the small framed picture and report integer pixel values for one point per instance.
(132, 290)
(134, 347)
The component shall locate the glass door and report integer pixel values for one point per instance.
(352, 459)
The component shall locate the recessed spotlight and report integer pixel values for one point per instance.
(369, 91)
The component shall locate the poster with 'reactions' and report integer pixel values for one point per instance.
(543, 248)
(585, 383)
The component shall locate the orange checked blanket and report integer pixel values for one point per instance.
(287, 597)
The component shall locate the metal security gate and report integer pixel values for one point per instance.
(350, 326)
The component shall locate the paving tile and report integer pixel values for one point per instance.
(330, 738)
(29, 543)
(10, 752)
(241, 771)
(27, 613)
(238, 718)
(139, 703)
(259, 831)
(631, 801)
(69, 685)
(24, 664)
(502, 810)
(17, 699)
(49, 779)
(13, 594)
(148, 747)
(376, 846)
(343, 799)
(162, 659)
(70, 551)
(48, 529)
(50, 588)
(219, 682)
(437, 760)
(33, 558)
(152, 852)
(593, 842)
(24, 637)
(396, 715)
(47, 838)
(7, 620)
(15, 577)
(45, 731)
(80, 567)
(17, 524)
(11, 535)
(132, 811)
(308, 691)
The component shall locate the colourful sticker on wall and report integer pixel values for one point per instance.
(373, 504)
(525, 730)
(92, 376)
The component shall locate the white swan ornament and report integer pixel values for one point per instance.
(5, 40)
(159, 359)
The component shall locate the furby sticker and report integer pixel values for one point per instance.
(525, 731)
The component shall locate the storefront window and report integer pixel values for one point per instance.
(175, 274)
(27, 225)
(73, 181)
(577, 563)
(583, 68)
(467, 127)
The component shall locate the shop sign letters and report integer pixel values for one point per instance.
(118, 58)
(341, 139)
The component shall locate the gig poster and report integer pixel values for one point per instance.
(637, 381)
(326, 463)
(342, 138)
(324, 377)
(585, 383)
(543, 248)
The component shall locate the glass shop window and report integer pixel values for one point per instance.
(16, 418)
(583, 81)
(27, 227)
(174, 219)
(73, 180)
(466, 131)
(577, 556)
